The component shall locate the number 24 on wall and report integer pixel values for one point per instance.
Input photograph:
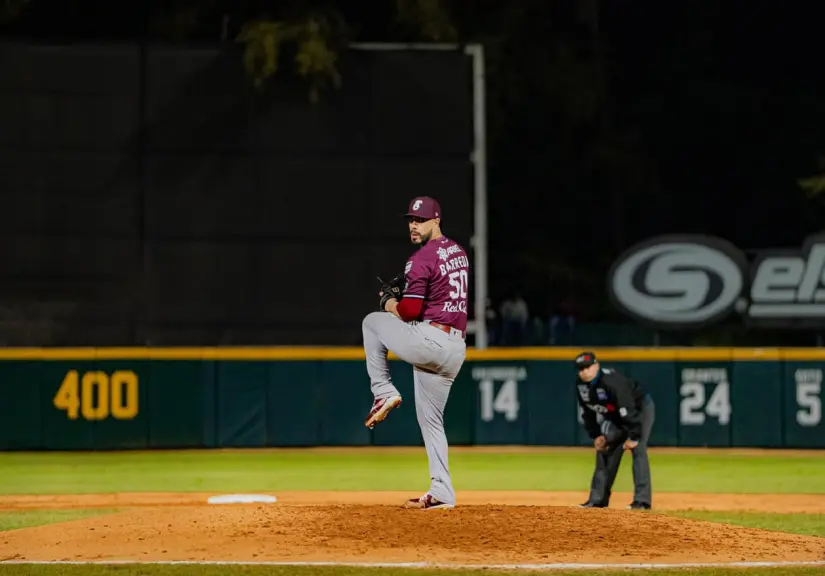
(96, 396)
(693, 399)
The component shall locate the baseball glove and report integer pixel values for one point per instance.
(392, 289)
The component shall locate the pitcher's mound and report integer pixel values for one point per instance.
(380, 533)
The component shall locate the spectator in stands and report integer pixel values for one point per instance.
(563, 323)
(514, 318)
(493, 324)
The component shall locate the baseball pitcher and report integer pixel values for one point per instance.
(423, 321)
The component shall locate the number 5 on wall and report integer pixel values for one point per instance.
(810, 406)
(96, 396)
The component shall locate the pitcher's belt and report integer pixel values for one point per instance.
(444, 328)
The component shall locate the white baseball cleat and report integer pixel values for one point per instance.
(380, 408)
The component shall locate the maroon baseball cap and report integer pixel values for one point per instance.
(424, 207)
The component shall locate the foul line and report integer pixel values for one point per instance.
(557, 566)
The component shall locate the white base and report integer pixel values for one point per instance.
(242, 499)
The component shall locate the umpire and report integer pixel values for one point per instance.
(618, 414)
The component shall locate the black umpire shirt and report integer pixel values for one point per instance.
(618, 399)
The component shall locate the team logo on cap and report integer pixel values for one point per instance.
(417, 205)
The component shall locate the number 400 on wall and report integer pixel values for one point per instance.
(96, 395)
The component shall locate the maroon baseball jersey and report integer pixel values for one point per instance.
(439, 273)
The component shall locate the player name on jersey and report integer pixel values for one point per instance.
(455, 264)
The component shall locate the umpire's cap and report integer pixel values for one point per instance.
(585, 359)
(424, 207)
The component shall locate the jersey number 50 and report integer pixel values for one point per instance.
(458, 280)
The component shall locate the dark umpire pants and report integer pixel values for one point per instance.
(607, 462)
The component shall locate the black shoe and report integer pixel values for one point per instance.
(592, 505)
(638, 506)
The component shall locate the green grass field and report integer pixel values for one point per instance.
(17, 519)
(196, 471)
(287, 470)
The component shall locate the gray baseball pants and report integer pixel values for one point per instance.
(436, 358)
(607, 463)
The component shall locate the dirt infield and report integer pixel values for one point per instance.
(665, 501)
(486, 528)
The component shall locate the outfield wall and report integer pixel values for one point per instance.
(81, 399)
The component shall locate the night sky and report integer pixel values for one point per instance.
(674, 117)
(730, 102)
(724, 105)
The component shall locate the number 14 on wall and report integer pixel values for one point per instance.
(96, 395)
(505, 402)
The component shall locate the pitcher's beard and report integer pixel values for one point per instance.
(421, 239)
